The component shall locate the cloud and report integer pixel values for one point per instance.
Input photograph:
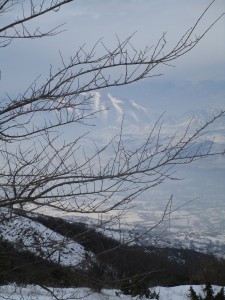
(99, 105)
(138, 106)
(96, 97)
(104, 111)
(116, 104)
(134, 116)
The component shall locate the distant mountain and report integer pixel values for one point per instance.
(138, 119)
(136, 110)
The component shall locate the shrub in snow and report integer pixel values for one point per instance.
(138, 287)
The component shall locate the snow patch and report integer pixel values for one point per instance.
(29, 235)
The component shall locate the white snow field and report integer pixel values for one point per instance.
(29, 235)
(32, 292)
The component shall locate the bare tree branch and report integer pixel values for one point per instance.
(18, 28)
(42, 169)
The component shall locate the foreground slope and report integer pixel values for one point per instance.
(32, 236)
(38, 293)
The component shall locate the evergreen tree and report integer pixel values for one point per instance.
(208, 291)
(208, 294)
(220, 295)
(192, 294)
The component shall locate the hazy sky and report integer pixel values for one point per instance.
(89, 20)
(196, 82)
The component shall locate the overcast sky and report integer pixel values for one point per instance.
(89, 20)
(196, 82)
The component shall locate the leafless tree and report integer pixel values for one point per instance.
(41, 169)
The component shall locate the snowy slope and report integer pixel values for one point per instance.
(29, 235)
(37, 293)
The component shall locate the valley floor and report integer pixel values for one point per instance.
(32, 292)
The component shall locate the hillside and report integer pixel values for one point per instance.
(38, 249)
(30, 235)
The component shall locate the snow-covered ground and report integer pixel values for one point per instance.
(29, 235)
(31, 292)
